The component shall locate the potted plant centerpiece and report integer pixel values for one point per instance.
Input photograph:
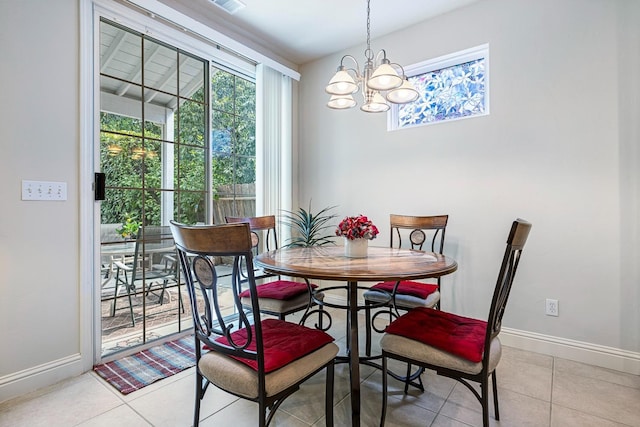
(357, 231)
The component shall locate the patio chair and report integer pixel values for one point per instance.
(407, 295)
(153, 263)
(264, 361)
(276, 296)
(462, 348)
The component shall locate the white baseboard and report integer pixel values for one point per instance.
(592, 354)
(25, 381)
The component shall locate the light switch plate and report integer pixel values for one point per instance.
(44, 190)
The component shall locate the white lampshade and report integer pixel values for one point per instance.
(376, 105)
(341, 84)
(341, 102)
(404, 94)
(384, 78)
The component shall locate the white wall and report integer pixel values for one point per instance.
(558, 149)
(39, 241)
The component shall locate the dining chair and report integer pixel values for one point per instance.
(153, 263)
(276, 296)
(406, 295)
(264, 361)
(465, 349)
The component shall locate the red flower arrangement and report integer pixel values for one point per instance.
(357, 227)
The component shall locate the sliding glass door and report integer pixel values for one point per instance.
(154, 152)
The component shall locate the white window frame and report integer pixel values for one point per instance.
(445, 61)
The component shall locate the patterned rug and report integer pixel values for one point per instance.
(134, 372)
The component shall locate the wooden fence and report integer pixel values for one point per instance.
(225, 204)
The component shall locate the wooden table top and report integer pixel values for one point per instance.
(330, 263)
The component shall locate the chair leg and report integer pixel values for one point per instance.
(495, 394)
(133, 319)
(328, 406)
(367, 327)
(320, 309)
(384, 390)
(262, 409)
(180, 302)
(484, 401)
(115, 290)
(199, 395)
(164, 289)
(407, 379)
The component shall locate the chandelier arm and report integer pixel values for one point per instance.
(384, 56)
(355, 61)
(395, 64)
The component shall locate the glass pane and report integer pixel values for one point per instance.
(160, 67)
(222, 133)
(191, 207)
(246, 99)
(153, 170)
(118, 163)
(245, 199)
(192, 72)
(222, 90)
(191, 170)
(192, 122)
(246, 143)
(245, 170)
(121, 214)
(158, 107)
(222, 167)
(120, 52)
(119, 123)
(120, 96)
(152, 207)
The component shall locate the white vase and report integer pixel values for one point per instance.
(356, 248)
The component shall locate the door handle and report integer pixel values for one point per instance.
(99, 186)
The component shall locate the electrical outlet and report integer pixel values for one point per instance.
(551, 307)
(44, 190)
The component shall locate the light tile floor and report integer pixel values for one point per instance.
(534, 390)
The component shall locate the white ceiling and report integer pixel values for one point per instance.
(302, 30)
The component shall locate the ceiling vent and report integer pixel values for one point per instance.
(230, 6)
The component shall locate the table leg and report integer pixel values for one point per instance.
(354, 354)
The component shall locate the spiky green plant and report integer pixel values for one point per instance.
(309, 229)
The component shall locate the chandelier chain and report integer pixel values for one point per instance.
(368, 53)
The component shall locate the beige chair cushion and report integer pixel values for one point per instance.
(236, 377)
(282, 306)
(405, 301)
(416, 350)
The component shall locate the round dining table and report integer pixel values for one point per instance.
(330, 263)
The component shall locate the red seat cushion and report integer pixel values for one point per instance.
(460, 336)
(283, 342)
(279, 289)
(407, 287)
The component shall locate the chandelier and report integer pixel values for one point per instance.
(379, 81)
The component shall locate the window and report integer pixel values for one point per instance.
(451, 87)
